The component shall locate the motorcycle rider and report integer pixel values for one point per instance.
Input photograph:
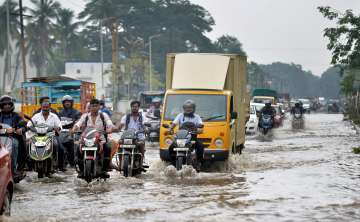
(104, 109)
(267, 110)
(298, 108)
(188, 115)
(100, 121)
(135, 120)
(13, 119)
(74, 115)
(52, 120)
(45, 99)
(155, 107)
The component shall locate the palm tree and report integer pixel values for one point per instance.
(14, 34)
(66, 31)
(40, 32)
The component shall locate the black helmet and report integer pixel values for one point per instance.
(7, 99)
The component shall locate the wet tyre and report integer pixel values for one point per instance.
(179, 162)
(6, 207)
(126, 166)
(40, 170)
(88, 170)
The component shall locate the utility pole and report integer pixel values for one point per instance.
(115, 71)
(102, 54)
(8, 45)
(22, 40)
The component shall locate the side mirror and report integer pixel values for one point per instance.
(147, 124)
(234, 115)
(165, 125)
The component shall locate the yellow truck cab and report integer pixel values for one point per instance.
(217, 85)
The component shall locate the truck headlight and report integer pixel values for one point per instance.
(219, 143)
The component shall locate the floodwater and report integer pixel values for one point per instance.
(307, 175)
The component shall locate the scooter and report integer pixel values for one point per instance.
(266, 124)
(41, 149)
(129, 158)
(297, 121)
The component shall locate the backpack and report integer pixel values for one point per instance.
(128, 116)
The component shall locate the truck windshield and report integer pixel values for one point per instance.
(209, 107)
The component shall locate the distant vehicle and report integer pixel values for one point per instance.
(306, 104)
(279, 117)
(252, 124)
(6, 182)
(263, 95)
(147, 97)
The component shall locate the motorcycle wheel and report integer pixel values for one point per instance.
(265, 131)
(88, 170)
(6, 207)
(126, 166)
(179, 162)
(40, 169)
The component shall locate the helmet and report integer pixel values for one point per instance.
(156, 100)
(4, 99)
(297, 104)
(267, 103)
(67, 98)
(189, 103)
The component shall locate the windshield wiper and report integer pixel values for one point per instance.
(214, 117)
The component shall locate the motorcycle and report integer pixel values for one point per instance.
(154, 131)
(184, 140)
(297, 121)
(90, 145)
(66, 139)
(129, 158)
(41, 149)
(266, 124)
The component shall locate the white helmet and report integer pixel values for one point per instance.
(67, 98)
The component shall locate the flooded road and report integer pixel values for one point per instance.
(310, 175)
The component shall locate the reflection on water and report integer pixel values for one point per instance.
(304, 175)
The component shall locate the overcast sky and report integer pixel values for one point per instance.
(271, 30)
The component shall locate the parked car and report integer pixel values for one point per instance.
(6, 182)
(252, 124)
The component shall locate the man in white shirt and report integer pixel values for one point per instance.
(100, 121)
(188, 115)
(51, 120)
(135, 120)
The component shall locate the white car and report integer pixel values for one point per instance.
(252, 124)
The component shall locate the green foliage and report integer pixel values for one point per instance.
(347, 84)
(228, 44)
(356, 150)
(344, 39)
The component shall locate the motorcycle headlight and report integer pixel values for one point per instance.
(181, 142)
(89, 142)
(219, 143)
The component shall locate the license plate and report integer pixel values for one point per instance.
(127, 146)
(181, 149)
(89, 148)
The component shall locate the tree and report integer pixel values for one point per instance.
(229, 44)
(344, 39)
(40, 33)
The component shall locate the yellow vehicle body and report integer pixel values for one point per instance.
(230, 131)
